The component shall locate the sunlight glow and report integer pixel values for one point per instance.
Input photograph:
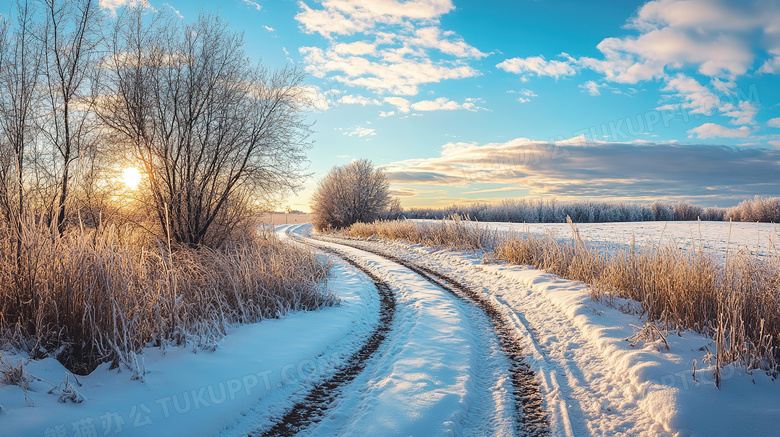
(131, 177)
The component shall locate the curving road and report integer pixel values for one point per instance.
(445, 362)
(462, 351)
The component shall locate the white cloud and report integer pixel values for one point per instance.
(315, 98)
(699, 98)
(399, 71)
(775, 122)
(270, 29)
(771, 65)
(592, 87)
(525, 95)
(351, 99)
(646, 57)
(386, 114)
(712, 130)
(744, 113)
(346, 17)
(431, 37)
(359, 132)
(540, 66)
(356, 48)
(718, 39)
(399, 102)
(113, 5)
(252, 4)
(715, 37)
(391, 50)
(444, 104)
(404, 106)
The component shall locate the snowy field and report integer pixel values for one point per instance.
(440, 371)
(595, 382)
(713, 237)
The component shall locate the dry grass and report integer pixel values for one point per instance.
(454, 233)
(736, 302)
(97, 295)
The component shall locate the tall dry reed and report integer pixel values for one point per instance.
(95, 295)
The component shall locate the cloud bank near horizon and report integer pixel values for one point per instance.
(600, 170)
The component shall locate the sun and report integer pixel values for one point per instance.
(131, 177)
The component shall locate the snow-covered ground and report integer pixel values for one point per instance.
(714, 237)
(597, 384)
(441, 370)
(441, 373)
(254, 374)
(594, 381)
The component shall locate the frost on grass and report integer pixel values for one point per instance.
(89, 296)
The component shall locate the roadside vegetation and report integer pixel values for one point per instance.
(736, 303)
(96, 264)
(353, 193)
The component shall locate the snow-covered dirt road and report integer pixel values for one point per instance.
(443, 370)
(554, 346)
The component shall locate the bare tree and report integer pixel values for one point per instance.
(71, 39)
(356, 192)
(212, 133)
(20, 64)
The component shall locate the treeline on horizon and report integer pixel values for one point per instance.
(758, 209)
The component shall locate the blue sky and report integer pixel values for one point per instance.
(481, 100)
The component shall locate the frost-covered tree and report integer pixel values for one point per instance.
(356, 192)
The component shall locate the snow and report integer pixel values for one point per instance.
(661, 382)
(439, 375)
(713, 237)
(440, 371)
(255, 372)
(595, 382)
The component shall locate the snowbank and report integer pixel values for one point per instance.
(256, 372)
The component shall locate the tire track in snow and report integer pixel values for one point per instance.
(532, 417)
(583, 394)
(311, 409)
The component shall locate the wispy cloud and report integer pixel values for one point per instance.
(113, 5)
(412, 192)
(600, 170)
(525, 95)
(359, 132)
(252, 4)
(593, 88)
(351, 99)
(404, 106)
(445, 104)
(349, 17)
(540, 66)
(712, 130)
